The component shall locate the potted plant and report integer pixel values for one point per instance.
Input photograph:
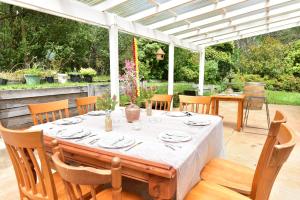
(4, 77)
(33, 74)
(88, 74)
(129, 80)
(75, 76)
(145, 98)
(49, 75)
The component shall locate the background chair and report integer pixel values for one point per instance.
(161, 102)
(46, 112)
(255, 98)
(198, 104)
(73, 177)
(245, 180)
(86, 104)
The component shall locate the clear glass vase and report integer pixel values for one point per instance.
(108, 122)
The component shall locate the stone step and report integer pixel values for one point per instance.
(4, 158)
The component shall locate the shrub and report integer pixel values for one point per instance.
(88, 72)
(211, 72)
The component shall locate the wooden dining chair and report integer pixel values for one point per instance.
(161, 102)
(198, 104)
(46, 112)
(241, 178)
(33, 173)
(86, 104)
(262, 184)
(73, 177)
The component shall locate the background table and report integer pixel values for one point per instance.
(240, 112)
(166, 171)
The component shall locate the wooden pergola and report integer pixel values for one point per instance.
(189, 24)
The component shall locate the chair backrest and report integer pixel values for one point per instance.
(254, 95)
(46, 112)
(86, 104)
(271, 140)
(199, 104)
(26, 150)
(161, 101)
(279, 154)
(74, 177)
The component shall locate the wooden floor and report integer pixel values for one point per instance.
(243, 147)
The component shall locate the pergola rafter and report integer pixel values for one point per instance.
(244, 28)
(241, 20)
(185, 16)
(226, 15)
(157, 9)
(106, 5)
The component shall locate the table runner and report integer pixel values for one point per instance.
(188, 160)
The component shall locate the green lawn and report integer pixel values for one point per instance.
(284, 98)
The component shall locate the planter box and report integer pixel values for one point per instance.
(13, 103)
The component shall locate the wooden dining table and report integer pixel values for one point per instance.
(156, 166)
(239, 98)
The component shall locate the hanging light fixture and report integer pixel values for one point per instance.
(160, 54)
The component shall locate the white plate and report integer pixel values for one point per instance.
(115, 142)
(174, 136)
(68, 121)
(176, 114)
(72, 134)
(197, 122)
(96, 113)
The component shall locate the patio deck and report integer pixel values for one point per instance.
(243, 147)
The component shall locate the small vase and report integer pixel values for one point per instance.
(149, 109)
(108, 122)
(132, 112)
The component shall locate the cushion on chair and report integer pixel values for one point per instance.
(229, 174)
(210, 191)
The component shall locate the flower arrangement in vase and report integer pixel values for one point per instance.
(129, 79)
(146, 94)
(105, 102)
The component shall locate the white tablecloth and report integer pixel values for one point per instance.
(206, 143)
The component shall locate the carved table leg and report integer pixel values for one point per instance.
(162, 188)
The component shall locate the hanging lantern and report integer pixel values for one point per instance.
(160, 54)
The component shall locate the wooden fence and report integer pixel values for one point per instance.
(13, 103)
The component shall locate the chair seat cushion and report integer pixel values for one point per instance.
(211, 191)
(107, 195)
(229, 174)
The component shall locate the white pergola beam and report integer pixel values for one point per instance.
(171, 70)
(80, 12)
(256, 33)
(114, 61)
(201, 71)
(108, 4)
(196, 12)
(255, 26)
(234, 23)
(157, 9)
(225, 15)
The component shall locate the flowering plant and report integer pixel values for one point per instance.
(129, 80)
(105, 102)
(148, 92)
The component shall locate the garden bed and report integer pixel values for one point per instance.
(13, 103)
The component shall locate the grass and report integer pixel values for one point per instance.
(284, 98)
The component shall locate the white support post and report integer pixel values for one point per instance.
(171, 72)
(171, 69)
(201, 71)
(114, 61)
